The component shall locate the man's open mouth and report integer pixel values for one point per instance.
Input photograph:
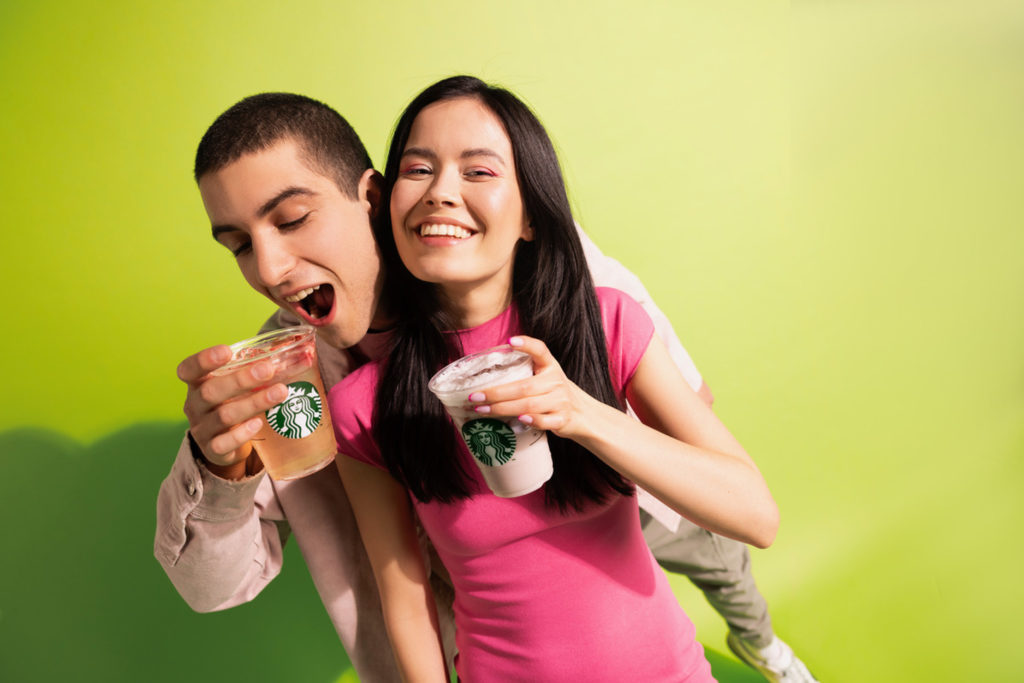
(316, 302)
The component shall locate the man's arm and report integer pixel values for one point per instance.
(220, 531)
(607, 272)
(220, 541)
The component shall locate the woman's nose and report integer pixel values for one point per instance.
(443, 191)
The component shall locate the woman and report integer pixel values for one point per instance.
(557, 585)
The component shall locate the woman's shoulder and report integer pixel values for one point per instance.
(611, 296)
(628, 331)
(356, 390)
(351, 402)
(617, 305)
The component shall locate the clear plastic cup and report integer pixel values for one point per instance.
(513, 457)
(296, 438)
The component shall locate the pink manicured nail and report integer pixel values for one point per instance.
(477, 396)
(483, 409)
(525, 419)
(515, 341)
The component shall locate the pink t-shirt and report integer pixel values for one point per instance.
(541, 595)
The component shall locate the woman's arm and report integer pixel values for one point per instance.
(681, 452)
(385, 517)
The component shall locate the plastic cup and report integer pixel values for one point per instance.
(296, 438)
(513, 457)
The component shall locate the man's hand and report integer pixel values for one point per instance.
(225, 411)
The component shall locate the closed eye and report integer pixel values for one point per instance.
(415, 170)
(290, 225)
(241, 249)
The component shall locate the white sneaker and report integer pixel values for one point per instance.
(776, 662)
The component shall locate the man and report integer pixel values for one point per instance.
(290, 191)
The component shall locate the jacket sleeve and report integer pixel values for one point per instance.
(219, 541)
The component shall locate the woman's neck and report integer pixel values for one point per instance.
(473, 305)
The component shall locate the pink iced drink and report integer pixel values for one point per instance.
(513, 457)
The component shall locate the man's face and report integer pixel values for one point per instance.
(298, 240)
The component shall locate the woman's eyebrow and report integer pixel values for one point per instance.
(482, 152)
(466, 154)
(419, 152)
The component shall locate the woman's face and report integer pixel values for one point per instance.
(457, 214)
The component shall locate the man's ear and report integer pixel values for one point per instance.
(371, 189)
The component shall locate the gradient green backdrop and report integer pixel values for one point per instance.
(824, 197)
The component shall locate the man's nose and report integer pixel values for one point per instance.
(274, 261)
(443, 190)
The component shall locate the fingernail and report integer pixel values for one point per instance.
(278, 393)
(482, 409)
(254, 425)
(525, 419)
(515, 341)
(262, 371)
(477, 396)
(221, 355)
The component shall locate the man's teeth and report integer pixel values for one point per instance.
(444, 230)
(299, 296)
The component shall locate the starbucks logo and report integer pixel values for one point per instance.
(491, 441)
(299, 415)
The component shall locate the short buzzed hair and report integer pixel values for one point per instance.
(326, 140)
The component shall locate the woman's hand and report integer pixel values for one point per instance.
(548, 400)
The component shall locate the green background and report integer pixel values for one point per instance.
(824, 197)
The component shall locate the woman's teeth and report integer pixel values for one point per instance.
(299, 296)
(444, 230)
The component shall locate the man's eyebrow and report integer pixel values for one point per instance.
(287, 193)
(268, 206)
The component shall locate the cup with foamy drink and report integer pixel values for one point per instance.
(513, 457)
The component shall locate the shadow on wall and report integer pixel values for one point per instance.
(82, 597)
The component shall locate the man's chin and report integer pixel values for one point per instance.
(341, 337)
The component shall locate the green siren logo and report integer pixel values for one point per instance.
(299, 415)
(491, 441)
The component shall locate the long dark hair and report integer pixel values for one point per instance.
(554, 297)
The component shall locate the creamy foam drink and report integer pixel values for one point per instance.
(513, 457)
(296, 438)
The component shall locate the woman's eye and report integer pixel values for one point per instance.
(241, 249)
(480, 173)
(415, 170)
